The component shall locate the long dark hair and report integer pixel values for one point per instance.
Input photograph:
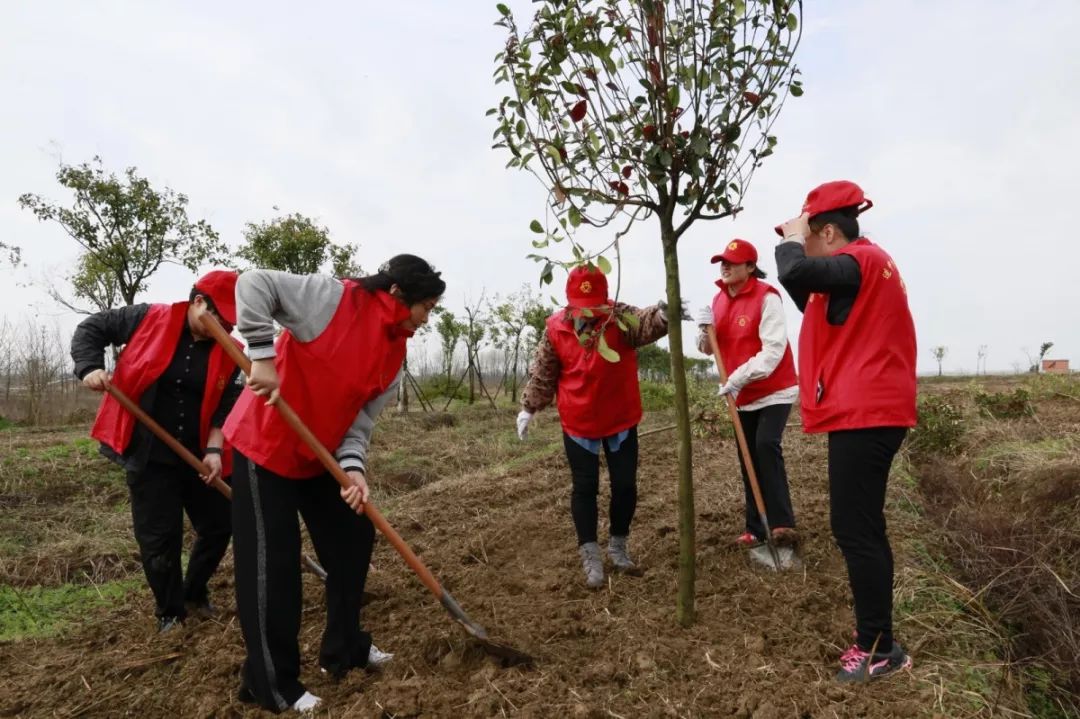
(846, 220)
(414, 276)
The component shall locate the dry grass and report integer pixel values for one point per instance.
(1009, 508)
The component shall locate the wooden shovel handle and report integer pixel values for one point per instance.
(740, 436)
(215, 330)
(170, 441)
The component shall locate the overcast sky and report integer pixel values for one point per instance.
(958, 118)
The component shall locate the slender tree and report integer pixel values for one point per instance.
(127, 229)
(631, 109)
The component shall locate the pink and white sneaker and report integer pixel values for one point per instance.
(857, 665)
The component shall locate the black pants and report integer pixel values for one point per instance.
(585, 472)
(160, 494)
(859, 462)
(266, 550)
(764, 430)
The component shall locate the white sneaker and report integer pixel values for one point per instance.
(377, 658)
(307, 703)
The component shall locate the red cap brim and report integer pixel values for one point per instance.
(779, 230)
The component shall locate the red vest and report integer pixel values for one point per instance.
(736, 320)
(596, 398)
(327, 381)
(145, 358)
(862, 373)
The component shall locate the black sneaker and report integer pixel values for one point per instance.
(168, 624)
(857, 665)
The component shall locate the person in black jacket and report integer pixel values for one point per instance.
(184, 380)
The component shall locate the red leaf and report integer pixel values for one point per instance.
(685, 134)
(752, 97)
(626, 171)
(590, 73)
(649, 131)
(577, 112)
(562, 153)
(619, 187)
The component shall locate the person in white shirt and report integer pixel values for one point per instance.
(752, 337)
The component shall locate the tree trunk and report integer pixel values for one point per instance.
(403, 388)
(684, 605)
(514, 377)
(472, 380)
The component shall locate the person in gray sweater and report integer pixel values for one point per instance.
(337, 364)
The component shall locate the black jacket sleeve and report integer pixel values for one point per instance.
(228, 399)
(98, 331)
(838, 276)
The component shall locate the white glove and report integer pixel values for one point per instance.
(726, 389)
(523, 418)
(704, 316)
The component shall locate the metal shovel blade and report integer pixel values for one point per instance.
(786, 555)
(509, 655)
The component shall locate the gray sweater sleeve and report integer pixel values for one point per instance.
(352, 454)
(302, 304)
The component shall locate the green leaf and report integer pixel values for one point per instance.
(700, 146)
(740, 7)
(631, 319)
(606, 352)
(604, 265)
(574, 215)
(503, 10)
(586, 312)
(792, 22)
(673, 96)
(553, 153)
(796, 90)
(535, 226)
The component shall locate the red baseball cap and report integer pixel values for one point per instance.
(586, 288)
(220, 286)
(737, 252)
(833, 196)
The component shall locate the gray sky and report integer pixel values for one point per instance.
(958, 118)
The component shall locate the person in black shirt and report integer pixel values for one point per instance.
(184, 380)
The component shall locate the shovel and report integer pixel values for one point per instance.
(503, 651)
(774, 554)
(185, 454)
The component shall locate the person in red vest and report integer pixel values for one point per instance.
(857, 384)
(599, 405)
(186, 382)
(752, 336)
(337, 364)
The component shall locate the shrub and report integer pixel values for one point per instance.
(1005, 405)
(941, 426)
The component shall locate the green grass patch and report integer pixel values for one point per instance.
(33, 612)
